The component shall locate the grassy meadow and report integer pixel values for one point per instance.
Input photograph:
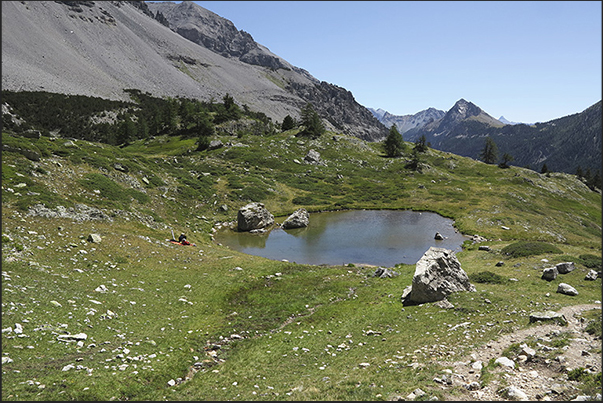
(169, 322)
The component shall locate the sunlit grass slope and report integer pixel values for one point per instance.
(209, 323)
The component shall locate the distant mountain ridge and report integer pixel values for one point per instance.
(508, 122)
(562, 144)
(55, 47)
(406, 122)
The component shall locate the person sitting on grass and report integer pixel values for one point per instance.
(182, 240)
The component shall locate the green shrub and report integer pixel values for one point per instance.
(576, 374)
(107, 187)
(142, 198)
(591, 261)
(307, 200)
(594, 326)
(527, 248)
(487, 277)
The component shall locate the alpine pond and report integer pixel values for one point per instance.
(374, 237)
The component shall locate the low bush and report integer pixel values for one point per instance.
(527, 248)
(487, 277)
(594, 326)
(107, 187)
(591, 261)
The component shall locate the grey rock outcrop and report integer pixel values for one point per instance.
(437, 274)
(313, 158)
(254, 216)
(548, 316)
(550, 273)
(565, 267)
(566, 289)
(299, 219)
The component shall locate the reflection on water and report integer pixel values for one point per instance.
(377, 237)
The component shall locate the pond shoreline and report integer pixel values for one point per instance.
(376, 237)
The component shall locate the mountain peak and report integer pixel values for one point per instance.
(463, 109)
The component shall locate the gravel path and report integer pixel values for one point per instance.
(539, 378)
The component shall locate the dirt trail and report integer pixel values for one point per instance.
(539, 378)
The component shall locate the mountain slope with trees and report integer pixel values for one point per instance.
(55, 47)
(567, 144)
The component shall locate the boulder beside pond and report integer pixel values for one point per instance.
(299, 219)
(437, 274)
(254, 216)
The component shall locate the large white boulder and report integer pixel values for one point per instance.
(254, 216)
(299, 219)
(437, 274)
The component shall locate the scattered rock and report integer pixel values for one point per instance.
(527, 351)
(215, 144)
(478, 238)
(484, 247)
(72, 337)
(550, 273)
(566, 289)
(438, 237)
(513, 393)
(565, 267)
(505, 362)
(385, 273)
(444, 304)
(473, 386)
(313, 157)
(592, 275)
(101, 288)
(120, 167)
(94, 238)
(547, 316)
(414, 394)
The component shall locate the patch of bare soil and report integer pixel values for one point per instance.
(543, 377)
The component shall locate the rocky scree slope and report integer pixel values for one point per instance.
(101, 48)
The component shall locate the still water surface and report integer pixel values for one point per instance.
(376, 237)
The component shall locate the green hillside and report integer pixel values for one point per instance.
(167, 322)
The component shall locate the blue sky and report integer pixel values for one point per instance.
(529, 61)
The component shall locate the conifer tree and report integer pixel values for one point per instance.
(489, 153)
(313, 126)
(421, 144)
(205, 130)
(393, 143)
(506, 159)
(288, 123)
